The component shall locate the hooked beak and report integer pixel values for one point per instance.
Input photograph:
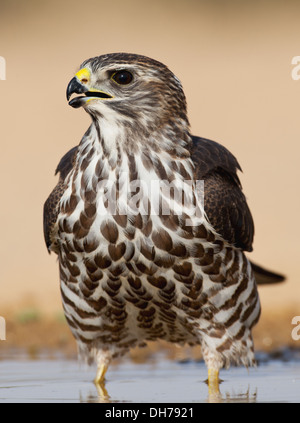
(75, 87)
(79, 85)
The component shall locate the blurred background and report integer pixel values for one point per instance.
(234, 59)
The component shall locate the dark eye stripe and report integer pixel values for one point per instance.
(122, 77)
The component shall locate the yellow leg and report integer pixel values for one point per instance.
(100, 376)
(213, 375)
(213, 383)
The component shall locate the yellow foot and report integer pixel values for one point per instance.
(100, 376)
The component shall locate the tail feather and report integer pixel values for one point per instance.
(264, 276)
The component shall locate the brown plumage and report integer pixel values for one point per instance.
(146, 265)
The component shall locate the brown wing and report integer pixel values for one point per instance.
(51, 206)
(224, 201)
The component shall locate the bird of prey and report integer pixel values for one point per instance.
(138, 264)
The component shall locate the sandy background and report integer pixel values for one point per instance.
(234, 61)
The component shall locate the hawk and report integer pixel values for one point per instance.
(138, 265)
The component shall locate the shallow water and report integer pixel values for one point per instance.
(161, 381)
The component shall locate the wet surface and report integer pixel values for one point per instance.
(161, 381)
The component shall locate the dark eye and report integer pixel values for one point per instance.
(122, 77)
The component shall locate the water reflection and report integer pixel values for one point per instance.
(101, 395)
(232, 397)
(160, 382)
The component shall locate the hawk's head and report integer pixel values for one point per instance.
(128, 87)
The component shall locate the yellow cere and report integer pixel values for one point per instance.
(83, 73)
